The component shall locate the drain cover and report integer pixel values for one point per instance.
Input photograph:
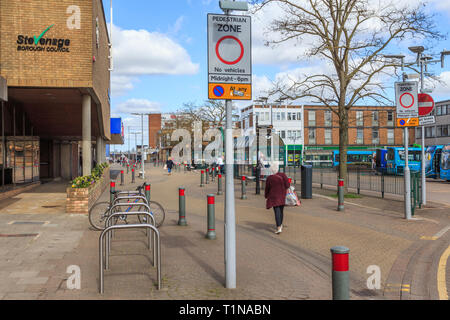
(29, 222)
(19, 235)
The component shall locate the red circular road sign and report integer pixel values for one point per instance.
(426, 104)
(240, 45)
(407, 100)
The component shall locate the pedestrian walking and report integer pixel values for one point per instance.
(275, 193)
(219, 163)
(169, 164)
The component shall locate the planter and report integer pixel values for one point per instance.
(80, 200)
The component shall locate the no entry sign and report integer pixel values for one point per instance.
(426, 104)
(229, 57)
(406, 99)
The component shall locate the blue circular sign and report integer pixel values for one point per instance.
(402, 122)
(218, 91)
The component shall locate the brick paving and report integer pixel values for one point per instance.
(293, 265)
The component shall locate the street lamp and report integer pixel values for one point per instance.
(142, 142)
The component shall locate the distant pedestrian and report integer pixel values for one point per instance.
(219, 163)
(275, 193)
(169, 164)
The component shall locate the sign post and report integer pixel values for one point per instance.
(426, 106)
(229, 78)
(407, 107)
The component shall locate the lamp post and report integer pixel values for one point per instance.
(143, 154)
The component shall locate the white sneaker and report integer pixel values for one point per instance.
(278, 231)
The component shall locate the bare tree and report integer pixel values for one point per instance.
(212, 112)
(350, 36)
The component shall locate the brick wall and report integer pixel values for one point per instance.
(80, 200)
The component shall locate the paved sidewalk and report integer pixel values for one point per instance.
(293, 265)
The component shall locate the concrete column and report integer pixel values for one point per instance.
(86, 135)
(99, 149)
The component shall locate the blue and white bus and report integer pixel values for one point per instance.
(433, 161)
(396, 160)
(445, 163)
(381, 160)
(354, 157)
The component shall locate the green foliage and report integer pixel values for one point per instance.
(86, 181)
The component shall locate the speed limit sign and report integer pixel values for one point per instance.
(406, 97)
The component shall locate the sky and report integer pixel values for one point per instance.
(160, 56)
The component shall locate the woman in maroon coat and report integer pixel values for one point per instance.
(275, 193)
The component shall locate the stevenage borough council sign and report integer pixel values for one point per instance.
(40, 43)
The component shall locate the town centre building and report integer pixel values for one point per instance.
(54, 56)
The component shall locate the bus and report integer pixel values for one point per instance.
(395, 162)
(433, 161)
(445, 163)
(381, 161)
(354, 157)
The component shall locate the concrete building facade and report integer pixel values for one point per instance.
(55, 57)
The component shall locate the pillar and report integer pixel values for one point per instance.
(86, 135)
(99, 150)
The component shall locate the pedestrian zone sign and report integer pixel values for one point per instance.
(229, 57)
(406, 97)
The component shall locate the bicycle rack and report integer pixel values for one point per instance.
(108, 238)
(129, 193)
(130, 226)
(130, 204)
(130, 197)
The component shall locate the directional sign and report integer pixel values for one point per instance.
(423, 121)
(229, 56)
(426, 104)
(407, 99)
(408, 122)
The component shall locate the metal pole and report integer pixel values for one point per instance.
(230, 219)
(258, 170)
(407, 178)
(142, 147)
(423, 174)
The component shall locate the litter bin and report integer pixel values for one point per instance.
(306, 182)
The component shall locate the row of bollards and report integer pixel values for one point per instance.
(211, 220)
(339, 255)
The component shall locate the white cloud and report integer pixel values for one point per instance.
(121, 84)
(138, 106)
(140, 52)
(440, 89)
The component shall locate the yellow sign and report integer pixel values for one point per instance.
(408, 122)
(227, 91)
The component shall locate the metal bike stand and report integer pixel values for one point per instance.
(130, 197)
(117, 199)
(150, 245)
(130, 226)
(131, 204)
